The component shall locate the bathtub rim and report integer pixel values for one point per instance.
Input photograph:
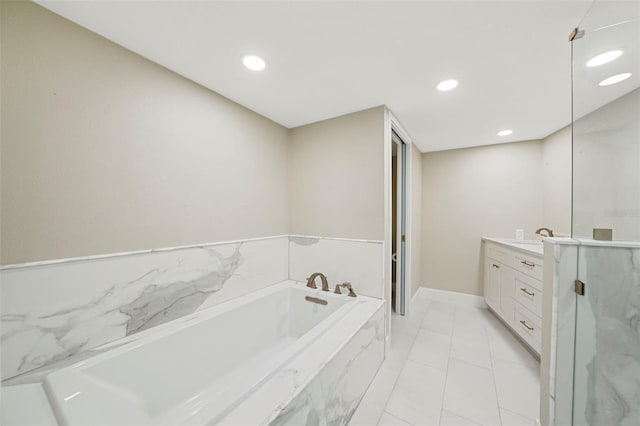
(39, 374)
(366, 312)
(128, 343)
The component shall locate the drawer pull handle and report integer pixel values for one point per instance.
(523, 322)
(495, 266)
(525, 290)
(529, 264)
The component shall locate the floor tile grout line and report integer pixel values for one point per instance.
(474, 365)
(394, 416)
(462, 417)
(395, 383)
(446, 377)
(518, 414)
(493, 374)
(486, 341)
(412, 338)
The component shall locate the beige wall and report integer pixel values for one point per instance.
(337, 177)
(104, 151)
(556, 181)
(416, 219)
(470, 193)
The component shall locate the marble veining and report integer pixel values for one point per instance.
(562, 332)
(157, 297)
(321, 388)
(158, 304)
(333, 395)
(57, 310)
(51, 312)
(608, 337)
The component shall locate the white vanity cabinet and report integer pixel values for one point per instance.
(513, 286)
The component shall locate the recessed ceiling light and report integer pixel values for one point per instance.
(254, 63)
(505, 132)
(604, 58)
(446, 85)
(615, 79)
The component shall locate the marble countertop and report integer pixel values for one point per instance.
(532, 247)
(594, 243)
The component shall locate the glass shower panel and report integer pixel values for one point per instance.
(606, 132)
(606, 195)
(607, 348)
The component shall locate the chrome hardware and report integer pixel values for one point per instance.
(523, 322)
(529, 264)
(315, 300)
(525, 290)
(579, 287)
(347, 286)
(576, 33)
(311, 281)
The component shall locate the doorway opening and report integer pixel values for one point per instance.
(398, 223)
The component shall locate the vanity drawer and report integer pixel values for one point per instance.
(497, 252)
(528, 292)
(528, 326)
(528, 265)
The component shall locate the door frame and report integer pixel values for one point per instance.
(391, 123)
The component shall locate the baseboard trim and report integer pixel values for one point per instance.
(452, 297)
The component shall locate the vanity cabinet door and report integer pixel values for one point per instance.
(507, 278)
(492, 276)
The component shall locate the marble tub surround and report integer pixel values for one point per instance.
(357, 261)
(274, 340)
(54, 310)
(285, 359)
(326, 385)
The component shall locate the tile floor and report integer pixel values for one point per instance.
(452, 365)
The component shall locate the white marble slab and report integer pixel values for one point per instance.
(333, 395)
(53, 310)
(607, 355)
(563, 323)
(357, 261)
(595, 338)
(325, 385)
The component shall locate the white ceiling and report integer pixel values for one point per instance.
(325, 59)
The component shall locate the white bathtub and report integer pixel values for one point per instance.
(254, 360)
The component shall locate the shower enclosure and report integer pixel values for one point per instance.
(593, 334)
(606, 204)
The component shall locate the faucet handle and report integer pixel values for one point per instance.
(348, 286)
(311, 282)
